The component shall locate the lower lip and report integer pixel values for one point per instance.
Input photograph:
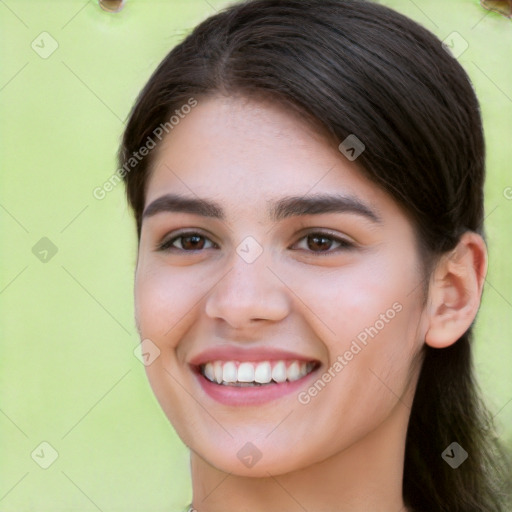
(236, 396)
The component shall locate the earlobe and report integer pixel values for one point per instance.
(455, 291)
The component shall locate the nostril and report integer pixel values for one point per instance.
(111, 5)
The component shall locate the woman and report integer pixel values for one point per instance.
(307, 182)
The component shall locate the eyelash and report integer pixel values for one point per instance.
(344, 244)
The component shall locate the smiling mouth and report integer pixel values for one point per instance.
(251, 374)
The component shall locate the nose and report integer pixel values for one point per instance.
(247, 293)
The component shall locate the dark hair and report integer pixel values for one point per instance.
(354, 67)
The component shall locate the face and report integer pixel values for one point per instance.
(280, 287)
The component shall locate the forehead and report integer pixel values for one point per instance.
(247, 152)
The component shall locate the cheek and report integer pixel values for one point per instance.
(162, 300)
(346, 302)
(378, 326)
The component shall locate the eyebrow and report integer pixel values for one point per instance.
(281, 209)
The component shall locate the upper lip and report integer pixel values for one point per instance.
(246, 354)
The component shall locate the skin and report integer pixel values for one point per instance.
(344, 450)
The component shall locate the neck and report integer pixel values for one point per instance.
(365, 476)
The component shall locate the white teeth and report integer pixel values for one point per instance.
(279, 372)
(304, 369)
(293, 371)
(247, 373)
(217, 371)
(208, 371)
(229, 373)
(263, 373)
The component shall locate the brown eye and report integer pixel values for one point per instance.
(323, 243)
(319, 242)
(186, 242)
(192, 242)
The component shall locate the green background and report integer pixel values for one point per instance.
(69, 376)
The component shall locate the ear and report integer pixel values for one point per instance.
(455, 291)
